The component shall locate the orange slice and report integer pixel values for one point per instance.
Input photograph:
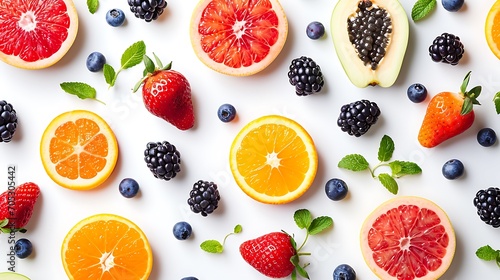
(36, 34)
(408, 238)
(106, 246)
(273, 159)
(238, 38)
(78, 150)
(492, 29)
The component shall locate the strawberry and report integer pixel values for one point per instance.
(270, 254)
(448, 115)
(16, 206)
(167, 94)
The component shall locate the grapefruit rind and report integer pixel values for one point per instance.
(394, 203)
(245, 70)
(311, 150)
(102, 218)
(80, 183)
(493, 13)
(12, 276)
(16, 61)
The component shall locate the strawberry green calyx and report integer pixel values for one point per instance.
(150, 68)
(6, 228)
(304, 220)
(470, 97)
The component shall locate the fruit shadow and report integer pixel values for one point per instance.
(409, 58)
(156, 270)
(458, 261)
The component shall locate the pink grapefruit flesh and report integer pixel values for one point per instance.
(36, 34)
(408, 238)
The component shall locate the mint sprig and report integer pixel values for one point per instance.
(304, 220)
(81, 90)
(356, 162)
(487, 253)
(132, 56)
(496, 101)
(216, 247)
(92, 5)
(422, 8)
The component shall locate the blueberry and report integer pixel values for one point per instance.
(115, 17)
(344, 272)
(226, 112)
(95, 61)
(486, 137)
(182, 230)
(453, 169)
(452, 5)
(23, 248)
(417, 93)
(189, 278)
(128, 187)
(315, 30)
(336, 189)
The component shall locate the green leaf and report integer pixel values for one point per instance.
(487, 253)
(319, 224)
(212, 246)
(158, 61)
(400, 168)
(238, 229)
(422, 8)
(4, 222)
(109, 74)
(388, 182)
(302, 218)
(294, 274)
(81, 90)
(133, 55)
(149, 65)
(465, 83)
(92, 5)
(386, 148)
(302, 272)
(496, 101)
(353, 162)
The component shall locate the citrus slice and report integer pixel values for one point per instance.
(408, 238)
(36, 34)
(78, 150)
(12, 276)
(238, 38)
(492, 29)
(273, 159)
(106, 246)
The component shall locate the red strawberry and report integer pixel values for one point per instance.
(448, 114)
(17, 206)
(167, 94)
(270, 254)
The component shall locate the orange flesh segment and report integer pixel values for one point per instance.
(495, 32)
(18, 21)
(69, 139)
(93, 244)
(265, 149)
(238, 33)
(408, 246)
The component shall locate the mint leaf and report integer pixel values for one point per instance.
(496, 101)
(237, 229)
(302, 218)
(319, 224)
(92, 5)
(109, 74)
(400, 168)
(212, 246)
(487, 253)
(422, 8)
(133, 55)
(353, 162)
(388, 182)
(81, 90)
(386, 148)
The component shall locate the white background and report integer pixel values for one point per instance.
(37, 97)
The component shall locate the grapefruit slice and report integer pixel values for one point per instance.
(408, 238)
(36, 34)
(238, 38)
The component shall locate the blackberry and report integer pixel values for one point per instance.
(306, 76)
(487, 203)
(446, 48)
(204, 198)
(8, 121)
(162, 159)
(357, 117)
(147, 10)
